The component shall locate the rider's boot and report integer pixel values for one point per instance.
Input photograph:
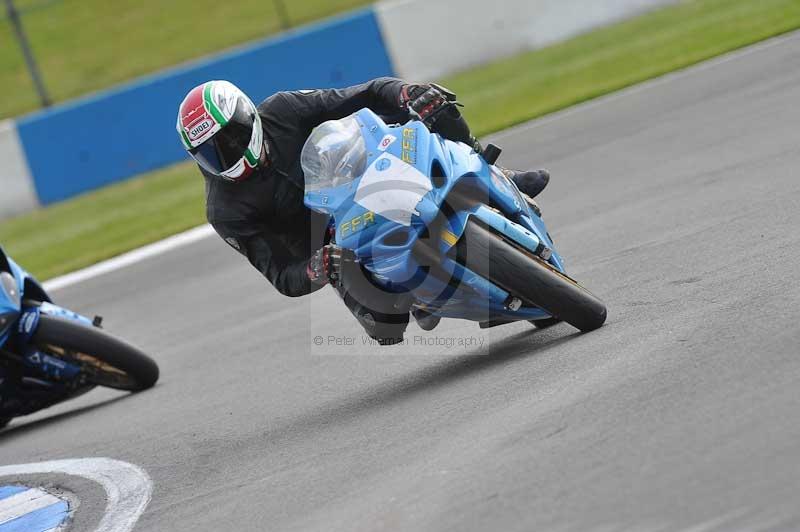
(425, 320)
(386, 329)
(531, 182)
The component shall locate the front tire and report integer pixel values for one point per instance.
(546, 323)
(105, 359)
(530, 278)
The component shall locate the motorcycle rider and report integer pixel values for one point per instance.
(250, 158)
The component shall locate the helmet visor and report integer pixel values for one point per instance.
(226, 148)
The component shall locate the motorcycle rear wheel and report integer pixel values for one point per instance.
(105, 359)
(526, 276)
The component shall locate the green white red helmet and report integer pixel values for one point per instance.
(220, 128)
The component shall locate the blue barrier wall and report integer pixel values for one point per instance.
(117, 134)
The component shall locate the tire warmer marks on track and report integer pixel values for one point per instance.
(24, 509)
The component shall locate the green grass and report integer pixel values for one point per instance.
(84, 230)
(85, 45)
(101, 224)
(536, 83)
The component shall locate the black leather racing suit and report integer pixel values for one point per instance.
(264, 217)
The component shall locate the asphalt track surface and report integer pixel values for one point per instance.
(678, 203)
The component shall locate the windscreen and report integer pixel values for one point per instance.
(334, 154)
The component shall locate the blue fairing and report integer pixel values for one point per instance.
(383, 239)
(19, 332)
(9, 306)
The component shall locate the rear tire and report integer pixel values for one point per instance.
(530, 278)
(106, 360)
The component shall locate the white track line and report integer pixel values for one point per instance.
(203, 231)
(24, 503)
(131, 257)
(127, 486)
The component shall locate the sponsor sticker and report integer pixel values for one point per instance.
(386, 141)
(198, 129)
(383, 164)
(358, 223)
(409, 151)
(28, 324)
(60, 364)
(449, 237)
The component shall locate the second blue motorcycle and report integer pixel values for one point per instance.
(49, 354)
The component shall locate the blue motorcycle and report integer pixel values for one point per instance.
(54, 354)
(438, 225)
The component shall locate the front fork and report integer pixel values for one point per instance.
(39, 362)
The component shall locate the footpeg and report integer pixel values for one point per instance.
(543, 252)
(513, 303)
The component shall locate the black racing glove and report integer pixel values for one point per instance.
(325, 265)
(437, 108)
(411, 92)
(425, 102)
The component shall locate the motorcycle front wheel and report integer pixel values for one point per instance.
(104, 359)
(524, 275)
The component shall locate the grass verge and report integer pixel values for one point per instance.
(86, 45)
(104, 223)
(84, 230)
(532, 84)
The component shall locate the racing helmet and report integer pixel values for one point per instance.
(220, 128)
